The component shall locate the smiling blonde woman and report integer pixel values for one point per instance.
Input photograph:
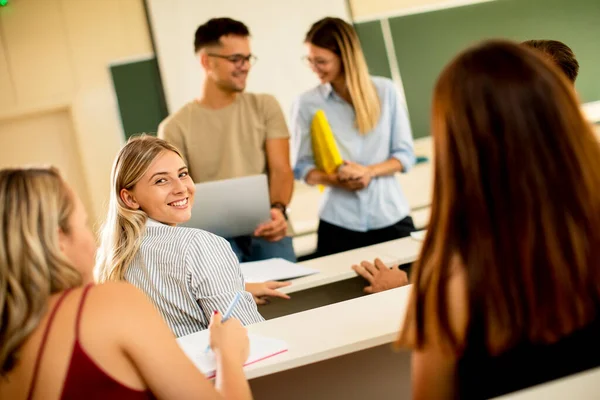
(187, 273)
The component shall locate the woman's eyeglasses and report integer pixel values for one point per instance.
(318, 63)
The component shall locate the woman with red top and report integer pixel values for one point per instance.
(61, 339)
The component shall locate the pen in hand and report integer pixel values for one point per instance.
(228, 312)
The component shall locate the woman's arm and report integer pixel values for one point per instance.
(434, 373)
(216, 278)
(401, 140)
(388, 167)
(261, 291)
(146, 340)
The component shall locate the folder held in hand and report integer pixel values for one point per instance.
(325, 150)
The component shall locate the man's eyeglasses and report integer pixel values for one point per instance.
(236, 59)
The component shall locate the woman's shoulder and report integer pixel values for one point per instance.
(384, 85)
(311, 96)
(111, 292)
(181, 240)
(178, 235)
(114, 311)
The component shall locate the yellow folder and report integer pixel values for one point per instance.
(325, 150)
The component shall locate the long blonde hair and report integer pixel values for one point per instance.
(339, 37)
(121, 233)
(35, 204)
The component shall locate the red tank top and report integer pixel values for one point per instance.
(84, 379)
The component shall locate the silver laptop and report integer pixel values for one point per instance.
(231, 207)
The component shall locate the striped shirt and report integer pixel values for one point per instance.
(188, 273)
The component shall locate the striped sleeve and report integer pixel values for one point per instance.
(216, 278)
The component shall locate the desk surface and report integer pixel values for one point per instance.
(331, 331)
(337, 267)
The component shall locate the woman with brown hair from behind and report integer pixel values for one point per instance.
(61, 338)
(506, 292)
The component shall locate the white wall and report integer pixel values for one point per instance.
(57, 103)
(278, 28)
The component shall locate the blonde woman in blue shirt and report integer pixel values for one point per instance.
(363, 203)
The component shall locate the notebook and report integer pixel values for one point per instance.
(274, 269)
(261, 348)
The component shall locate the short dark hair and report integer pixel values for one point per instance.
(560, 53)
(210, 33)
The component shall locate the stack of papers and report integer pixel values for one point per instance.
(274, 269)
(261, 348)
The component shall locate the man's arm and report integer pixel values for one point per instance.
(281, 177)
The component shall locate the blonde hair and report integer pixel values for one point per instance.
(121, 233)
(35, 204)
(339, 37)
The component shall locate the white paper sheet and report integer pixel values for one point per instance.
(261, 348)
(274, 269)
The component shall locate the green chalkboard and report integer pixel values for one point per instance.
(373, 45)
(140, 96)
(425, 42)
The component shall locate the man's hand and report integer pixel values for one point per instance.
(260, 291)
(275, 229)
(379, 276)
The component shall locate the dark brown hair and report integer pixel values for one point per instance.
(559, 53)
(515, 200)
(210, 33)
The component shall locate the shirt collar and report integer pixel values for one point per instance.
(151, 222)
(327, 91)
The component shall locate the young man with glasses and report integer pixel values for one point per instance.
(228, 133)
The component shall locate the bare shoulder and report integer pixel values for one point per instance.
(117, 300)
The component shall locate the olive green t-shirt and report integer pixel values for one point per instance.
(228, 142)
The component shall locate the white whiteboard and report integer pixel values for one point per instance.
(277, 27)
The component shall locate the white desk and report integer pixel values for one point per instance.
(421, 217)
(339, 351)
(336, 281)
(582, 386)
(337, 267)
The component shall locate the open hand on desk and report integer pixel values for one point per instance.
(229, 339)
(380, 277)
(261, 291)
(275, 229)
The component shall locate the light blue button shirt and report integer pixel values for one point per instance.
(382, 203)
